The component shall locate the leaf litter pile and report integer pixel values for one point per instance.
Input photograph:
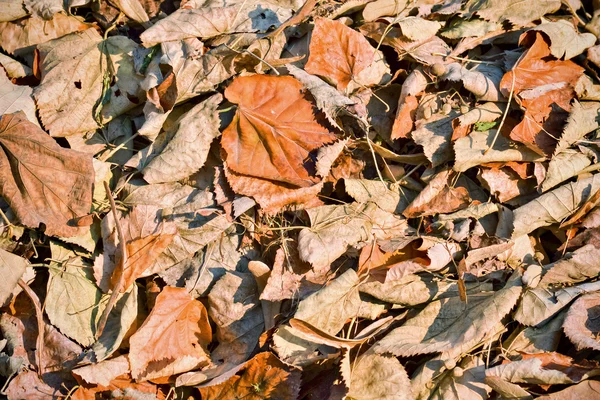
(272, 199)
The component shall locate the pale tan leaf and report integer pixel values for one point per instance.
(470, 151)
(575, 267)
(582, 390)
(73, 69)
(12, 268)
(173, 339)
(465, 381)
(450, 325)
(374, 376)
(504, 183)
(103, 372)
(584, 118)
(210, 22)
(19, 37)
(482, 80)
(132, 9)
(187, 150)
(13, 68)
(15, 98)
(12, 10)
(389, 197)
(554, 206)
(515, 11)
(565, 41)
(461, 28)
(415, 28)
(581, 324)
(329, 308)
(234, 306)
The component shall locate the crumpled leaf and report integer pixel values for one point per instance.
(574, 267)
(103, 372)
(389, 197)
(12, 268)
(565, 40)
(344, 56)
(74, 306)
(543, 369)
(43, 182)
(515, 11)
(581, 324)
(328, 99)
(470, 151)
(438, 197)
(540, 304)
(187, 150)
(263, 377)
(272, 134)
(563, 166)
(374, 376)
(465, 381)
(234, 305)
(73, 68)
(578, 391)
(554, 206)
(21, 36)
(482, 80)
(434, 135)
(15, 98)
(582, 120)
(450, 325)
(206, 23)
(173, 339)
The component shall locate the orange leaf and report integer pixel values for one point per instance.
(273, 131)
(141, 254)
(338, 52)
(404, 122)
(273, 196)
(42, 182)
(535, 69)
(263, 377)
(173, 338)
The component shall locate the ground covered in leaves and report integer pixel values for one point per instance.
(271, 199)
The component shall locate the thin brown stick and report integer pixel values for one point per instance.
(40, 322)
(121, 260)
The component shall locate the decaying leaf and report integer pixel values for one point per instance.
(581, 325)
(45, 184)
(271, 135)
(173, 339)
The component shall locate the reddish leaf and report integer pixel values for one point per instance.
(405, 117)
(273, 131)
(42, 182)
(263, 377)
(173, 338)
(338, 52)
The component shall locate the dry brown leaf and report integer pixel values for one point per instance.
(263, 377)
(19, 37)
(340, 54)
(438, 198)
(273, 131)
(272, 196)
(581, 324)
(43, 183)
(504, 183)
(173, 338)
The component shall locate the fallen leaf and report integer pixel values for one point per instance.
(377, 376)
(173, 339)
(580, 325)
(515, 11)
(438, 197)
(72, 81)
(20, 37)
(274, 127)
(44, 183)
(263, 377)
(103, 372)
(12, 267)
(582, 389)
(554, 206)
(187, 150)
(342, 55)
(565, 41)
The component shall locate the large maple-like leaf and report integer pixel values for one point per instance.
(173, 338)
(43, 182)
(273, 131)
(338, 53)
